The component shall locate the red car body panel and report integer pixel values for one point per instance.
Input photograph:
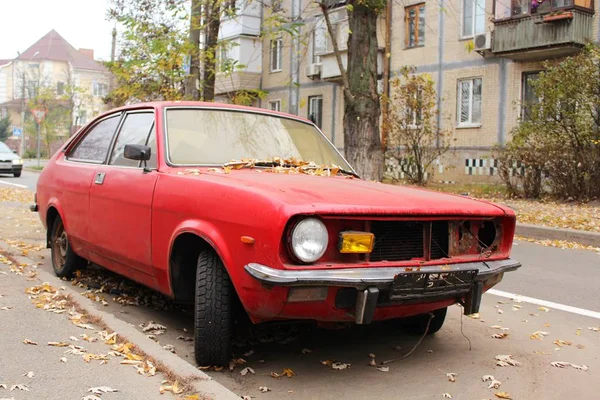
(130, 222)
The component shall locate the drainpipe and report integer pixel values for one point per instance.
(387, 60)
(439, 86)
(295, 62)
(260, 81)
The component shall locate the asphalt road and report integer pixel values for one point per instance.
(27, 180)
(570, 278)
(563, 276)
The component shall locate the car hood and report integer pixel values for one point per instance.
(341, 195)
(5, 156)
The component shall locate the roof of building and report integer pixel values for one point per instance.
(4, 62)
(54, 47)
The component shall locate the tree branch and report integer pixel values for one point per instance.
(336, 50)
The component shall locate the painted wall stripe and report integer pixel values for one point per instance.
(545, 303)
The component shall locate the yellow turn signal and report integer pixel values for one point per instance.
(356, 242)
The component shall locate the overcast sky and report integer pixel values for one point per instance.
(81, 22)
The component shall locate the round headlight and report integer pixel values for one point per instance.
(309, 240)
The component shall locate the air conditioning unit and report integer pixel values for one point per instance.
(313, 70)
(483, 41)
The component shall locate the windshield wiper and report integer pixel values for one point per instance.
(343, 171)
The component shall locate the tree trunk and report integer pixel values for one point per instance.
(191, 88)
(362, 141)
(212, 38)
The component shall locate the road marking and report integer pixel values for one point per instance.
(14, 184)
(545, 303)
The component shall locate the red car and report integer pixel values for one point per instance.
(213, 204)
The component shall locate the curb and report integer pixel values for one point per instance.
(202, 383)
(572, 235)
(32, 170)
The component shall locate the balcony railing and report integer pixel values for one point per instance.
(532, 30)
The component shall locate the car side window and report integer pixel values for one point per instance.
(94, 146)
(152, 163)
(134, 130)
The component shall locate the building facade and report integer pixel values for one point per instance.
(481, 54)
(73, 77)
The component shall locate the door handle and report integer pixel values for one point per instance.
(99, 178)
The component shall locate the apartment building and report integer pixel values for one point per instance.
(482, 55)
(52, 63)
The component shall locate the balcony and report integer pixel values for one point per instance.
(238, 80)
(331, 71)
(322, 46)
(533, 30)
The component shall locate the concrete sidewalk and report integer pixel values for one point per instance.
(34, 369)
(53, 373)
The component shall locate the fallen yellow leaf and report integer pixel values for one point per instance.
(503, 395)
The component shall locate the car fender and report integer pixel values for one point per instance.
(55, 203)
(209, 233)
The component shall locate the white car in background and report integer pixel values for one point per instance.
(10, 163)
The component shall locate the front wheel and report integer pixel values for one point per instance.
(418, 324)
(213, 311)
(64, 260)
(17, 174)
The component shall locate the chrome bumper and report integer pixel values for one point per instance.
(362, 278)
(394, 283)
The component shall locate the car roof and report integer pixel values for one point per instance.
(204, 104)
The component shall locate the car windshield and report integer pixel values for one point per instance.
(4, 148)
(216, 137)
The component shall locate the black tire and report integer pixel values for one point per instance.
(213, 311)
(64, 260)
(17, 174)
(416, 325)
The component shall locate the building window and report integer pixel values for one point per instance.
(275, 105)
(60, 88)
(318, 41)
(473, 18)
(315, 110)
(32, 89)
(505, 9)
(528, 96)
(414, 21)
(469, 102)
(276, 55)
(99, 89)
(414, 109)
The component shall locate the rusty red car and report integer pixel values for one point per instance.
(219, 205)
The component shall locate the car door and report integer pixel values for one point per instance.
(121, 200)
(73, 175)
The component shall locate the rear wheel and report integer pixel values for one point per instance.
(213, 311)
(418, 324)
(64, 261)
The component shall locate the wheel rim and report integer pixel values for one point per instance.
(60, 246)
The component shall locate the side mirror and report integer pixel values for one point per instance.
(137, 152)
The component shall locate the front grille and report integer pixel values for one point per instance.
(397, 240)
(439, 239)
(404, 240)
